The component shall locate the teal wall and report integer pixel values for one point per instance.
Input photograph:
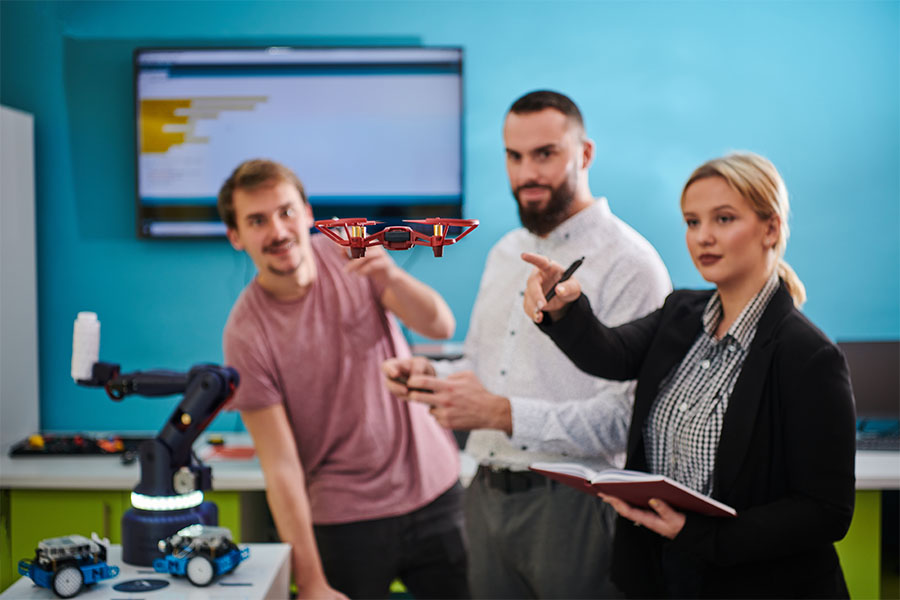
(663, 85)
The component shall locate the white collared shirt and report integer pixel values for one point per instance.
(559, 413)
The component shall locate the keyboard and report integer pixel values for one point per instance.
(878, 434)
(878, 443)
(62, 445)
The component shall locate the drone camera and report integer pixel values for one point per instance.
(397, 235)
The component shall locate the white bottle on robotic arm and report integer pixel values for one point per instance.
(85, 346)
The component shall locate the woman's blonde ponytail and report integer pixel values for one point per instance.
(794, 285)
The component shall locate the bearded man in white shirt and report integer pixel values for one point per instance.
(520, 397)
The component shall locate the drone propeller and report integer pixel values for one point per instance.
(350, 221)
(444, 221)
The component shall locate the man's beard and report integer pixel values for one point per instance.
(544, 220)
(283, 272)
(274, 247)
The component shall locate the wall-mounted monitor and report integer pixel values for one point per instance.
(371, 131)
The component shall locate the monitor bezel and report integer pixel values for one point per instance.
(455, 210)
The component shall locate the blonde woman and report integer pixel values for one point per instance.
(739, 396)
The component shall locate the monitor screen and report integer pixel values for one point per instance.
(875, 376)
(371, 132)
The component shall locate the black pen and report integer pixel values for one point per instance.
(566, 274)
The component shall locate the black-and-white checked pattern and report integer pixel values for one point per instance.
(682, 433)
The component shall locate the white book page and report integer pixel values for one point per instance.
(573, 469)
(625, 475)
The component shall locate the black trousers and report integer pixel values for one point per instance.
(426, 549)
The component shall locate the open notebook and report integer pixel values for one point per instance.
(634, 487)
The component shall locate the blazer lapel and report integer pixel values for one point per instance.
(743, 406)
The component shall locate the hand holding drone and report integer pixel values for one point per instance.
(395, 237)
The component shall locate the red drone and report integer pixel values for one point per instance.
(395, 237)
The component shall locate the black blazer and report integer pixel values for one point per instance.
(785, 459)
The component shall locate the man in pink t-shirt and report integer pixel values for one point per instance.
(363, 486)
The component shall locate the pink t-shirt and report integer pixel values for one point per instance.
(365, 454)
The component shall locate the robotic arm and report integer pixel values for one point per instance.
(168, 465)
(169, 495)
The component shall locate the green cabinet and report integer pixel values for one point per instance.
(229, 504)
(32, 515)
(860, 550)
(6, 575)
(28, 516)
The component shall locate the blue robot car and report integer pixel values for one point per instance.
(67, 564)
(201, 553)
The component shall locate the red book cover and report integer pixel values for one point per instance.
(634, 487)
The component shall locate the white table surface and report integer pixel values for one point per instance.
(874, 471)
(265, 574)
(99, 472)
(877, 470)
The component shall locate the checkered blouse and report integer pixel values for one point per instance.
(682, 433)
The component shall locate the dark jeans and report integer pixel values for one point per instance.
(425, 548)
